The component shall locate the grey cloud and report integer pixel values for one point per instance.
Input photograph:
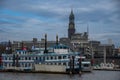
(2, 31)
(56, 12)
(50, 10)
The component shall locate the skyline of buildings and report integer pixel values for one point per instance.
(34, 19)
(77, 42)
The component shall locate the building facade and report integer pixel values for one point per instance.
(76, 41)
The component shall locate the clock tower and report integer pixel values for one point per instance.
(71, 28)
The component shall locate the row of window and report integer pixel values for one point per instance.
(22, 52)
(31, 64)
(20, 65)
(64, 63)
(37, 58)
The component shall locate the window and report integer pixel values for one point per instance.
(25, 58)
(5, 64)
(40, 58)
(29, 58)
(59, 63)
(28, 64)
(9, 64)
(59, 57)
(25, 64)
(47, 58)
(51, 57)
(86, 65)
(9, 58)
(64, 63)
(64, 57)
(43, 58)
(55, 57)
(60, 47)
(36, 58)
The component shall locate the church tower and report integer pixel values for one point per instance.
(71, 29)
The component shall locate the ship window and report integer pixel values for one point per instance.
(22, 65)
(59, 63)
(70, 63)
(51, 63)
(29, 64)
(5, 58)
(55, 57)
(60, 47)
(25, 58)
(9, 64)
(5, 64)
(64, 57)
(55, 63)
(29, 58)
(59, 57)
(86, 65)
(26, 65)
(64, 63)
(65, 47)
(39, 58)
(36, 58)
(51, 57)
(43, 58)
(47, 58)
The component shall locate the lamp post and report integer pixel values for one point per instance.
(92, 54)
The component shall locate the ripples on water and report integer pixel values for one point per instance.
(95, 75)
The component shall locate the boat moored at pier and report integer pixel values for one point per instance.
(60, 60)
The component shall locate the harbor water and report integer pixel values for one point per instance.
(94, 75)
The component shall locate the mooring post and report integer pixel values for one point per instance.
(0, 60)
(17, 60)
(13, 64)
(70, 63)
(73, 69)
(80, 67)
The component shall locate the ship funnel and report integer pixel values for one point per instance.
(56, 39)
(45, 51)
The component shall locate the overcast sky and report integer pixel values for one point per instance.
(26, 19)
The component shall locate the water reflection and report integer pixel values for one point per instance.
(95, 75)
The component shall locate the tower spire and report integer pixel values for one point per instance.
(71, 17)
(71, 11)
(71, 29)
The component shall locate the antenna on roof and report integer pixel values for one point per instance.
(88, 29)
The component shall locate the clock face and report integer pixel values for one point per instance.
(71, 26)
